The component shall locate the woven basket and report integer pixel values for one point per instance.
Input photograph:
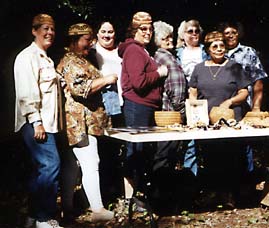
(257, 118)
(164, 118)
(217, 113)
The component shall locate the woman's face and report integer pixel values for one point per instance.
(167, 42)
(192, 36)
(106, 35)
(44, 36)
(143, 34)
(83, 45)
(217, 51)
(231, 37)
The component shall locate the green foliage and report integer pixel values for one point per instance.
(82, 8)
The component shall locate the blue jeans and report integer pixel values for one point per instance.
(43, 184)
(137, 115)
(190, 159)
(169, 152)
(249, 157)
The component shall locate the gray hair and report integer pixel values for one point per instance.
(182, 28)
(161, 30)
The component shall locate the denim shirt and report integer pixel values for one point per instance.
(111, 100)
(179, 53)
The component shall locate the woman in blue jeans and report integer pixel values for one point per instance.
(36, 116)
(43, 185)
(140, 81)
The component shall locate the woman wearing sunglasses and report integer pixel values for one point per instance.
(190, 52)
(189, 49)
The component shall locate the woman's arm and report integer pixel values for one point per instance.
(84, 80)
(257, 96)
(236, 100)
(101, 82)
(142, 70)
(193, 93)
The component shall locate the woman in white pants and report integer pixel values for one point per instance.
(85, 114)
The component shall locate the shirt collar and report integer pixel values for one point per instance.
(39, 49)
(239, 47)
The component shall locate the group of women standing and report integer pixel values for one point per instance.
(127, 83)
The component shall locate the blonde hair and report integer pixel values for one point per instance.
(161, 30)
(182, 28)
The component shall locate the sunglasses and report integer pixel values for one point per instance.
(193, 31)
(145, 29)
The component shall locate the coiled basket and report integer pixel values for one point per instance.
(164, 118)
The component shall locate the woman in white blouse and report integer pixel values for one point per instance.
(109, 62)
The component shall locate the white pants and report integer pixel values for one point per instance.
(87, 155)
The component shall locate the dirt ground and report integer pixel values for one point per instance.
(208, 209)
(210, 213)
(236, 218)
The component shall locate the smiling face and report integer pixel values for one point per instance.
(44, 36)
(217, 51)
(231, 37)
(167, 42)
(192, 36)
(143, 34)
(83, 44)
(106, 35)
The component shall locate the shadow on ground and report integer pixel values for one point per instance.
(173, 202)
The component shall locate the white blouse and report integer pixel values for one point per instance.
(109, 62)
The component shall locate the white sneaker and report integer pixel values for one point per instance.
(104, 215)
(29, 222)
(48, 224)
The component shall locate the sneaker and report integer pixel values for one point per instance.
(29, 222)
(48, 224)
(139, 205)
(104, 215)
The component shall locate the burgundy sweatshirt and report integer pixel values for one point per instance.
(139, 78)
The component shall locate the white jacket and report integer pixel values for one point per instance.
(36, 89)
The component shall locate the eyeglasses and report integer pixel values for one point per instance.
(193, 31)
(168, 38)
(231, 33)
(215, 47)
(145, 29)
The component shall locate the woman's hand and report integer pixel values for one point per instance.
(226, 104)
(40, 133)
(111, 79)
(193, 92)
(162, 70)
(240, 97)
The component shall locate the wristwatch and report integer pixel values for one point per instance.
(37, 123)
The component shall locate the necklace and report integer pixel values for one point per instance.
(214, 75)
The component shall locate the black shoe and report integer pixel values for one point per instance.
(67, 221)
